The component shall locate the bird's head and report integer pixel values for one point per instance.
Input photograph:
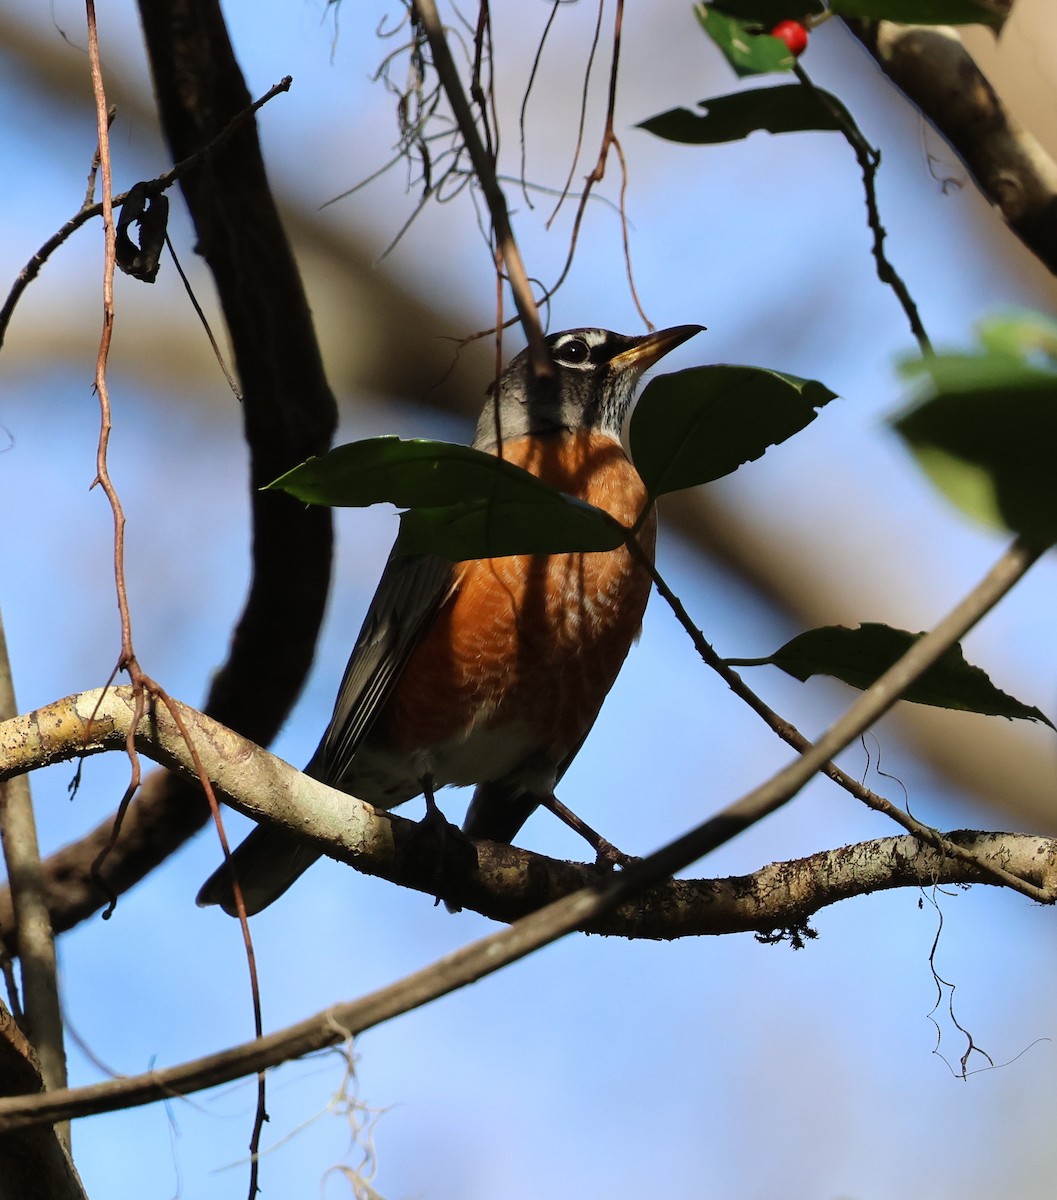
(591, 387)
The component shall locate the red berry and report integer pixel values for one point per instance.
(793, 34)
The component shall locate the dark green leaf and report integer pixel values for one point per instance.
(408, 474)
(924, 12)
(492, 529)
(986, 427)
(746, 48)
(767, 13)
(787, 108)
(694, 426)
(465, 504)
(860, 656)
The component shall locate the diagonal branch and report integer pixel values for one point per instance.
(808, 884)
(869, 160)
(792, 736)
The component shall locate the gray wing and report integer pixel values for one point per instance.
(411, 591)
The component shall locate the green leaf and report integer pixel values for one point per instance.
(403, 472)
(746, 48)
(788, 108)
(860, 656)
(494, 528)
(694, 426)
(464, 503)
(1030, 335)
(924, 12)
(985, 427)
(767, 13)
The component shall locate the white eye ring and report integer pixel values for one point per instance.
(575, 350)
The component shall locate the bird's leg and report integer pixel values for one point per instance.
(608, 855)
(435, 822)
(433, 813)
(452, 853)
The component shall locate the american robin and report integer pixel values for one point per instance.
(491, 671)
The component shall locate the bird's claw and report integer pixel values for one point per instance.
(441, 848)
(608, 857)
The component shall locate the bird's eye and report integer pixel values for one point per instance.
(576, 350)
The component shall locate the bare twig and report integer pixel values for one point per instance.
(536, 59)
(127, 657)
(597, 173)
(89, 211)
(869, 159)
(142, 686)
(876, 700)
(218, 354)
(260, 1112)
(793, 737)
(484, 168)
(93, 170)
(582, 117)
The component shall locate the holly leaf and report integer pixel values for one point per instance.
(749, 50)
(497, 527)
(861, 656)
(767, 13)
(693, 426)
(462, 502)
(985, 424)
(787, 108)
(404, 472)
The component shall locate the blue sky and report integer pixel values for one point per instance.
(713, 1067)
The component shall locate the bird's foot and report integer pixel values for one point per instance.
(607, 856)
(441, 848)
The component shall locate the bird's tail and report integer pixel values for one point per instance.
(498, 810)
(266, 864)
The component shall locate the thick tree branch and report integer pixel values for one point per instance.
(933, 69)
(289, 414)
(508, 883)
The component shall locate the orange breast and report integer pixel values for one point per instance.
(534, 641)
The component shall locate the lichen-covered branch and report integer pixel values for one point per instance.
(508, 883)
